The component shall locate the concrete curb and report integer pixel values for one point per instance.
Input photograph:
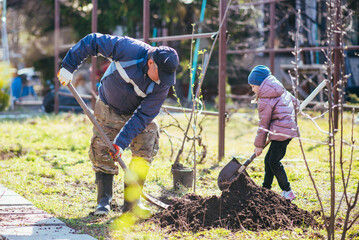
(20, 220)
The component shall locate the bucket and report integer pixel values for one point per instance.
(182, 176)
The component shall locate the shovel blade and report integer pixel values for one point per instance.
(228, 173)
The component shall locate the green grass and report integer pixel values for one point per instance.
(45, 159)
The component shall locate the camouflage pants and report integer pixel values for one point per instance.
(145, 145)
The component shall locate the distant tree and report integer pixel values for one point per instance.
(171, 17)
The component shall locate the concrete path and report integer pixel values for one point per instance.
(20, 220)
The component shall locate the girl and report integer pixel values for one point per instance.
(276, 108)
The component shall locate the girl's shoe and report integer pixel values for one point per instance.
(288, 195)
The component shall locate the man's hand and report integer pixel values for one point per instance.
(65, 77)
(258, 151)
(118, 153)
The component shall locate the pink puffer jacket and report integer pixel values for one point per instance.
(276, 108)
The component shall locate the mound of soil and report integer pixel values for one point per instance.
(244, 205)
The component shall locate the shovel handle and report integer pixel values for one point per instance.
(95, 123)
(250, 159)
(246, 163)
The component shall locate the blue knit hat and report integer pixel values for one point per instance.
(258, 74)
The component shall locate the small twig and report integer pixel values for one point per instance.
(354, 220)
(345, 185)
(178, 124)
(3, 193)
(169, 138)
(204, 215)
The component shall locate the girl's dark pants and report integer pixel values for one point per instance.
(273, 166)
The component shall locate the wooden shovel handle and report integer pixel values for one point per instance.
(95, 123)
(246, 163)
(250, 159)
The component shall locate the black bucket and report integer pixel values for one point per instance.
(182, 176)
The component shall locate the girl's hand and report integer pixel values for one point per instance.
(258, 151)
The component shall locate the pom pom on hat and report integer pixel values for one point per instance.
(258, 74)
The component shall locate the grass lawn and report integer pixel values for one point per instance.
(45, 159)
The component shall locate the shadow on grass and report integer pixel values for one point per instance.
(56, 165)
(94, 226)
(310, 149)
(102, 227)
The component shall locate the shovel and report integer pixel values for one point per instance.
(232, 170)
(107, 141)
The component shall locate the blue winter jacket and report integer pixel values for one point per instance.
(125, 86)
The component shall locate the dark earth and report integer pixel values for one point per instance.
(243, 205)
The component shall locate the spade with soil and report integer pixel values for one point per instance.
(233, 169)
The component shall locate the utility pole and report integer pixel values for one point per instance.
(222, 80)
(56, 53)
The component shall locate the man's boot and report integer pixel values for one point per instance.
(104, 193)
(132, 191)
(132, 201)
